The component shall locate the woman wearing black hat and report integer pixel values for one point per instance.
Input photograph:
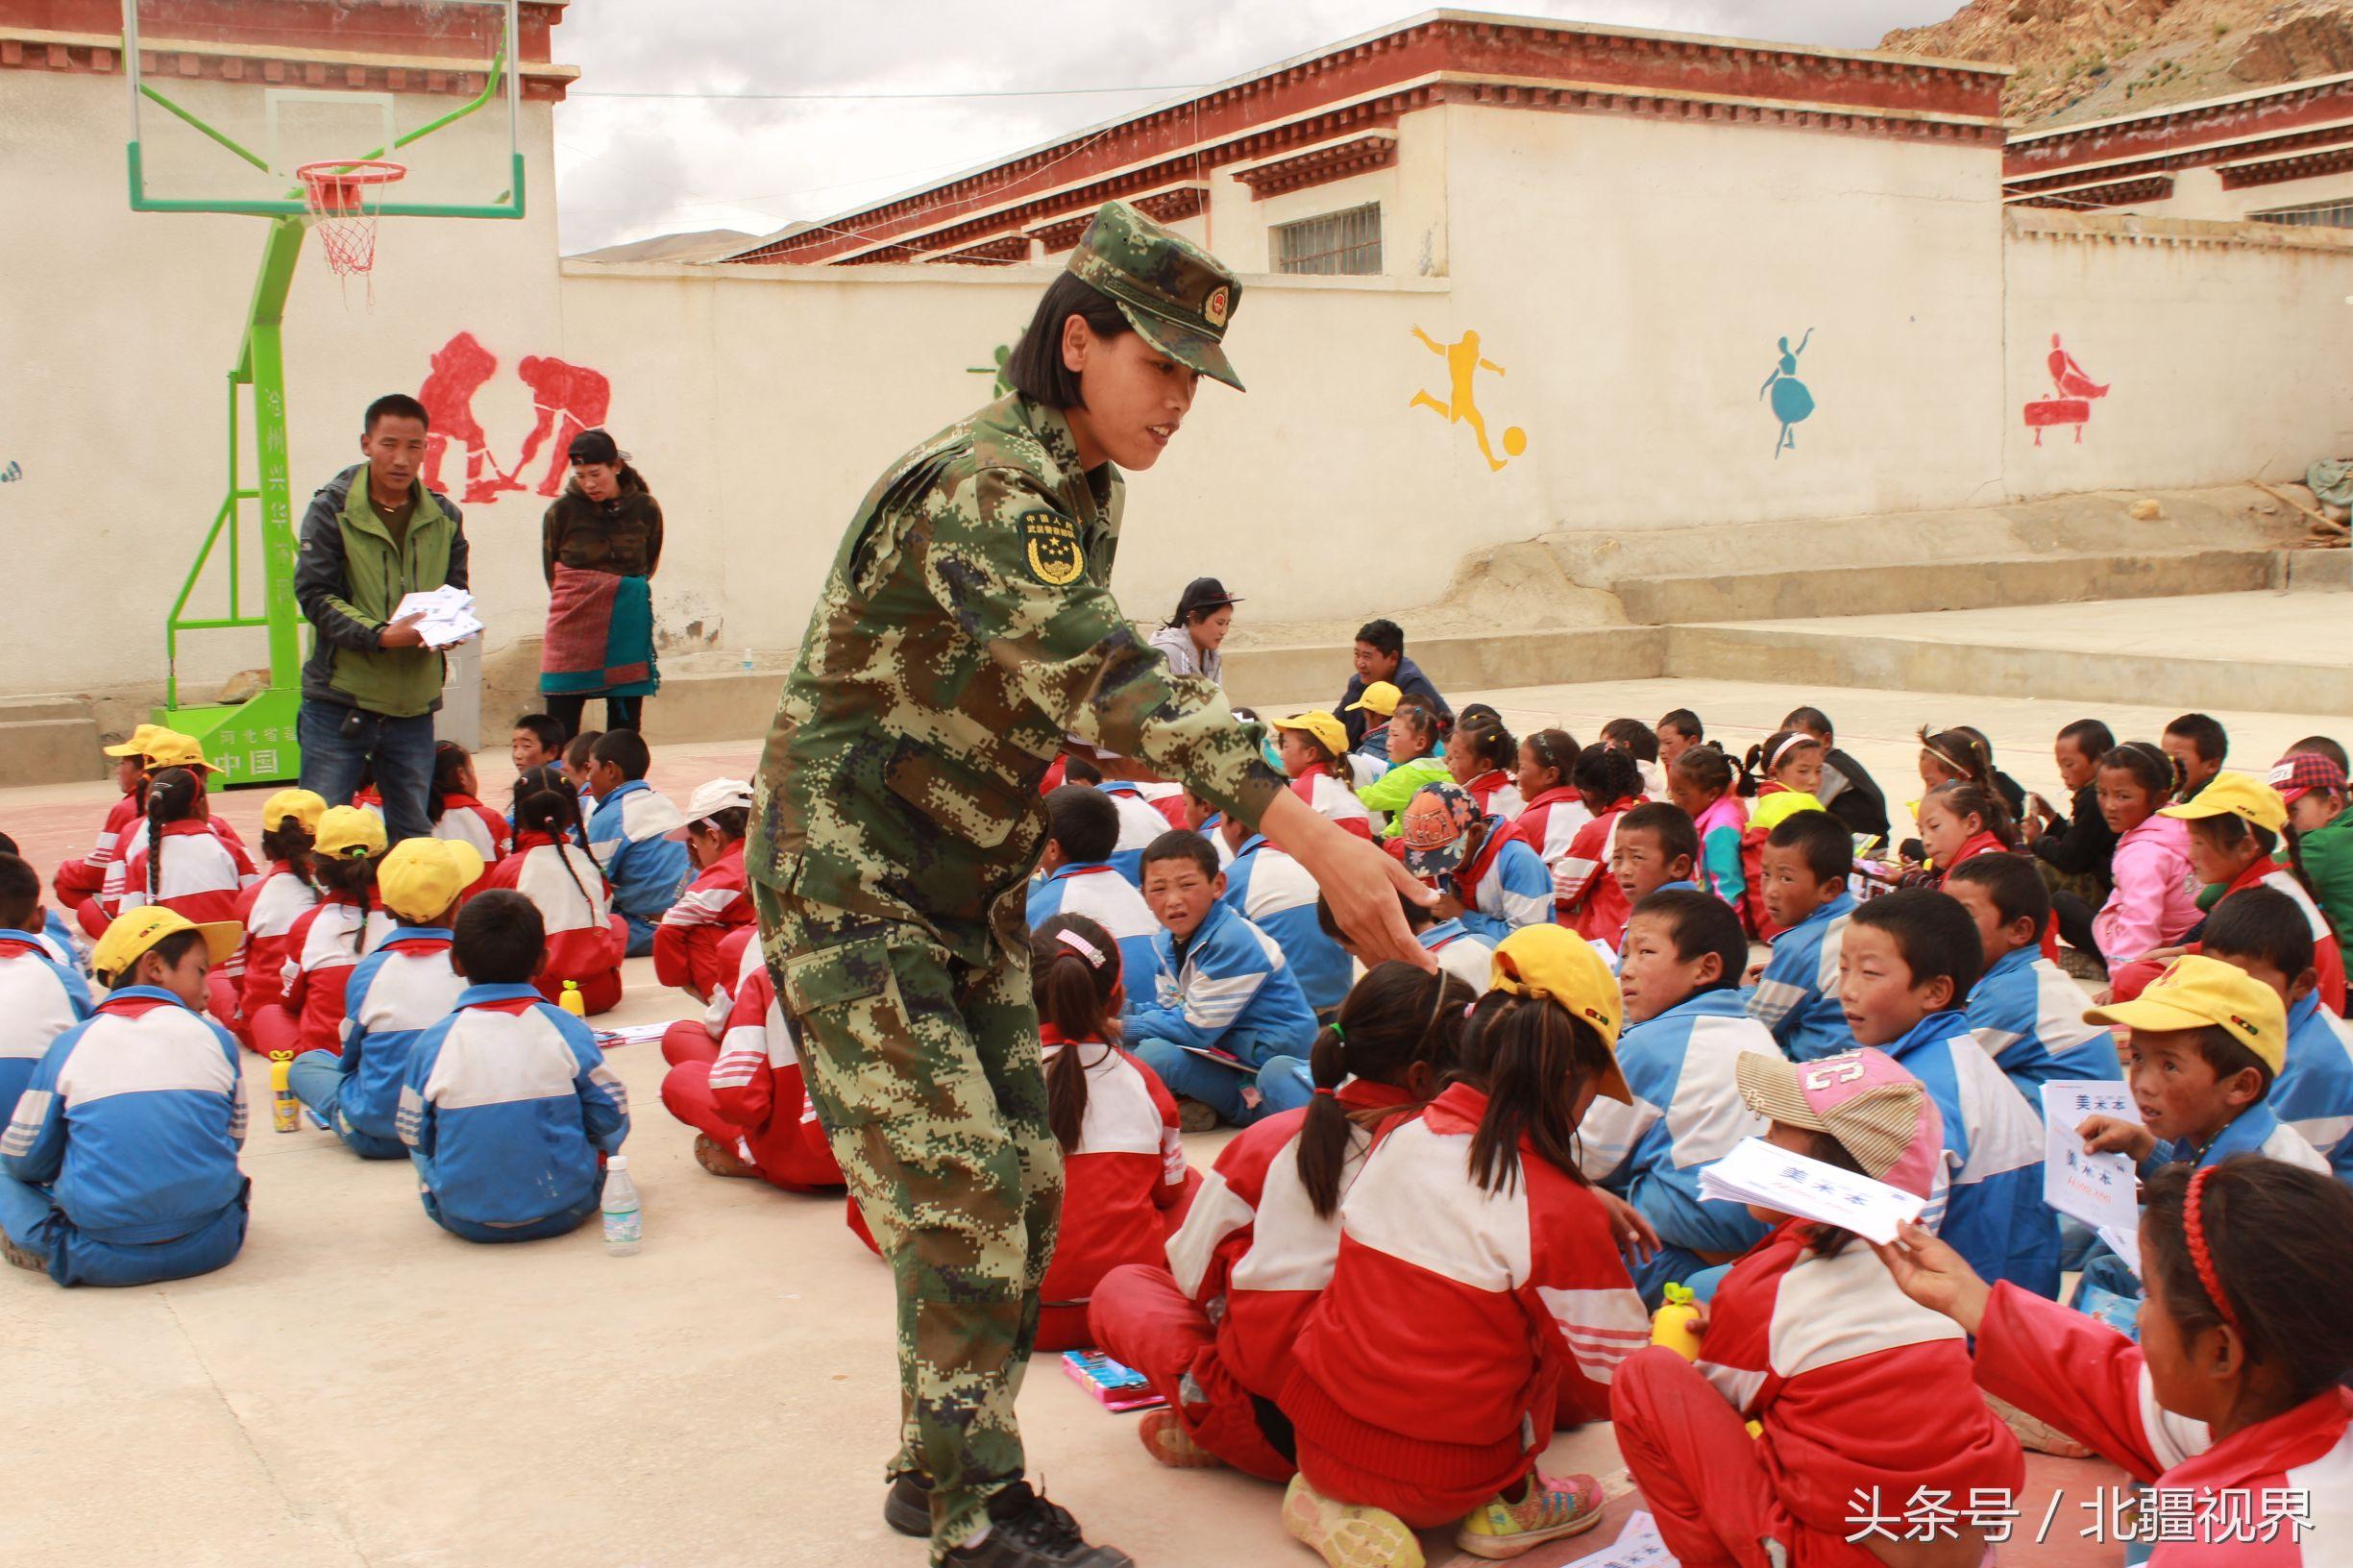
(1197, 630)
(599, 543)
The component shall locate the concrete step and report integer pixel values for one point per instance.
(1311, 675)
(708, 705)
(28, 709)
(48, 751)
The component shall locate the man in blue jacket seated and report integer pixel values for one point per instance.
(120, 1164)
(510, 1110)
(1224, 1004)
(629, 835)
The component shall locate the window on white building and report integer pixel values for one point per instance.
(2310, 215)
(1335, 244)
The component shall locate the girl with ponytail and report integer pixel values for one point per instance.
(329, 937)
(1125, 1183)
(2154, 902)
(586, 940)
(269, 908)
(205, 873)
(1214, 1329)
(453, 804)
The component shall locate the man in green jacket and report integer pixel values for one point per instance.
(370, 686)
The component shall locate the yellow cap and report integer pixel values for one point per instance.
(422, 877)
(347, 831)
(1380, 697)
(1322, 724)
(137, 929)
(140, 740)
(303, 805)
(169, 748)
(2197, 990)
(2235, 794)
(1556, 962)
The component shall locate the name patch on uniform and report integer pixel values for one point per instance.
(1051, 543)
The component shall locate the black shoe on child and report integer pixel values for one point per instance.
(907, 1506)
(1028, 1531)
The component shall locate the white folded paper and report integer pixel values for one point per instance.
(445, 615)
(1637, 1545)
(2099, 1189)
(1792, 1184)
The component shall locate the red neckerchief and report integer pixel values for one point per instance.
(530, 838)
(1976, 844)
(1365, 1094)
(1303, 786)
(2252, 876)
(1469, 875)
(1553, 798)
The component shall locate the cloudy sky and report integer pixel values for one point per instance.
(855, 103)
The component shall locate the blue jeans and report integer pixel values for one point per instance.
(36, 1223)
(1285, 1083)
(316, 1078)
(563, 1222)
(400, 751)
(1215, 1086)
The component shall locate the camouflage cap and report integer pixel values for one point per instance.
(1174, 293)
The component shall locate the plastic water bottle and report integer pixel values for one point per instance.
(747, 661)
(625, 1222)
(571, 1001)
(283, 1103)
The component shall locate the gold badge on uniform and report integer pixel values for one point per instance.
(1214, 309)
(1052, 545)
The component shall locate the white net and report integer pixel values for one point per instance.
(344, 200)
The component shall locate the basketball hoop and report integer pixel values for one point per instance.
(343, 199)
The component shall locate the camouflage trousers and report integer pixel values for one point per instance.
(925, 1073)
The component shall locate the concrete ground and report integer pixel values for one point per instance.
(360, 1388)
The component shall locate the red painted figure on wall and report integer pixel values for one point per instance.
(459, 369)
(2071, 395)
(570, 399)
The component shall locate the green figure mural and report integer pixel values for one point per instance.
(1792, 402)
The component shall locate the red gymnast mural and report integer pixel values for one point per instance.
(2071, 392)
(566, 398)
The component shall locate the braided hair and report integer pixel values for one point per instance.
(172, 796)
(545, 804)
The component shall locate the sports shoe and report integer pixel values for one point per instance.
(1196, 1115)
(906, 1506)
(1349, 1535)
(1555, 1506)
(1025, 1530)
(719, 1159)
(21, 1258)
(1166, 1440)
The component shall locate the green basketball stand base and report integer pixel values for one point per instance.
(249, 741)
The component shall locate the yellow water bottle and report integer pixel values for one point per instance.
(1671, 1324)
(571, 1001)
(283, 1111)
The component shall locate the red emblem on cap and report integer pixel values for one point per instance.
(1214, 309)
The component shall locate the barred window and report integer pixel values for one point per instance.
(1335, 244)
(2310, 215)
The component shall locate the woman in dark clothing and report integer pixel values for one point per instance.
(599, 542)
(2075, 852)
(1849, 792)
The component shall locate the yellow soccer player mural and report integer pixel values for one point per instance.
(1461, 406)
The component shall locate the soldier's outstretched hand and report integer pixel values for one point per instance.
(1359, 881)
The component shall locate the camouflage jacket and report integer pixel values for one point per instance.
(966, 626)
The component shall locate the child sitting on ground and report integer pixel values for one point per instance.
(1222, 988)
(1782, 776)
(1848, 791)
(2237, 1391)
(1685, 1028)
(1314, 746)
(1076, 876)
(1807, 861)
(451, 805)
(119, 1166)
(1369, 758)
(1274, 892)
(629, 835)
(508, 1109)
(1585, 898)
(1460, 952)
(2026, 1010)
(1477, 755)
(1553, 811)
(78, 881)
(2267, 933)
(267, 910)
(536, 740)
(717, 901)
(166, 750)
(1656, 849)
(2153, 904)
(1639, 738)
(1905, 968)
(184, 864)
(328, 938)
(1413, 738)
(1855, 1392)
(1392, 1437)
(2198, 745)
(1958, 823)
(1214, 1329)
(1701, 782)
(746, 1100)
(1679, 730)
(2235, 824)
(1487, 878)
(2320, 830)
(585, 937)
(39, 997)
(395, 994)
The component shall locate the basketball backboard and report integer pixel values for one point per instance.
(229, 100)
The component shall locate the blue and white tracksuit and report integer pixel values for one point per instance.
(394, 995)
(1230, 990)
(648, 869)
(1990, 1208)
(58, 938)
(2313, 1092)
(1139, 822)
(506, 1111)
(1797, 996)
(1096, 890)
(2028, 1016)
(1504, 887)
(1275, 894)
(40, 999)
(120, 1164)
(1688, 1113)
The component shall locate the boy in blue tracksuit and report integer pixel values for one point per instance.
(41, 995)
(1222, 986)
(1076, 877)
(121, 1164)
(1686, 1028)
(508, 1109)
(2267, 934)
(2026, 1010)
(1905, 966)
(1275, 894)
(629, 835)
(1806, 860)
(392, 996)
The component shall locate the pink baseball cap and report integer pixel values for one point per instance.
(1873, 1107)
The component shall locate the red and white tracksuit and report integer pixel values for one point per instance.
(748, 1095)
(205, 878)
(1549, 823)
(1497, 794)
(586, 940)
(686, 943)
(1459, 1326)
(325, 942)
(697, 1039)
(97, 912)
(1214, 1331)
(465, 819)
(78, 881)
(1327, 797)
(1858, 1390)
(2093, 1383)
(1585, 898)
(267, 910)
